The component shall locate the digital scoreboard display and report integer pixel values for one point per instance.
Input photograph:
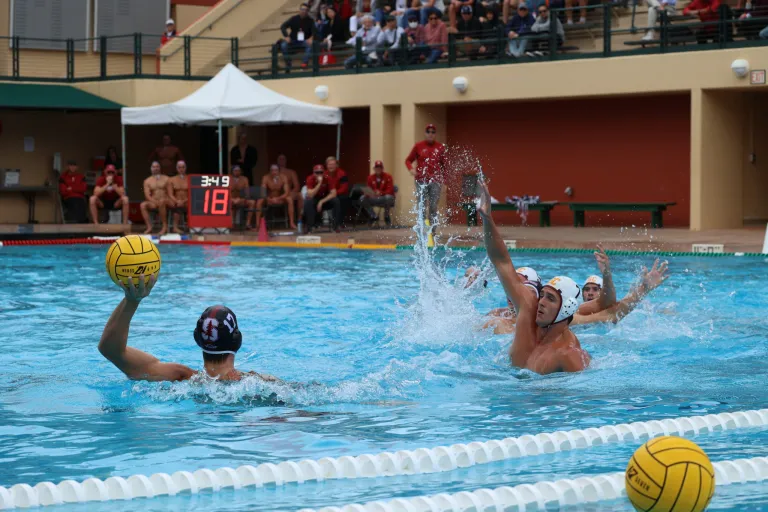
(209, 204)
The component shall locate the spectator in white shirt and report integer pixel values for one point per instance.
(369, 37)
(654, 9)
(389, 41)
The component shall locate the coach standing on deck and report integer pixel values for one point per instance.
(429, 171)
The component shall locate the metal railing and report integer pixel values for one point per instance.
(189, 57)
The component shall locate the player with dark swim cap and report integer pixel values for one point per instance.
(217, 333)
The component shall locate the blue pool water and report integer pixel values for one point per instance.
(390, 358)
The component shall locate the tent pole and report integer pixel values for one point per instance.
(338, 141)
(125, 170)
(221, 156)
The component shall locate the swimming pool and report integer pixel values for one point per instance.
(389, 357)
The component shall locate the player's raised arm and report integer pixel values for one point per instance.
(499, 255)
(133, 362)
(608, 292)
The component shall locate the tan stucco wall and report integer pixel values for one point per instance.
(755, 174)
(186, 15)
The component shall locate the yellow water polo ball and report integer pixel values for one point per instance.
(670, 474)
(132, 256)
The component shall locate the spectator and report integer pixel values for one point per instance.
(542, 25)
(320, 197)
(389, 42)
(752, 9)
(518, 29)
(456, 7)
(293, 181)
(335, 32)
(436, 34)
(109, 194)
(708, 11)
(178, 194)
(380, 193)
(382, 10)
(429, 156)
(417, 38)
(483, 7)
(245, 156)
(302, 28)
(338, 182)
(170, 32)
(569, 13)
(492, 30)
(468, 30)
(276, 192)
(363, 8)
(654, 8)
(369, 36)
(113, 158)
(72, 187)
(155, 192)
(168, 155)
(239, 195)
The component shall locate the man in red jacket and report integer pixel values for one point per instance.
(72, 187)
(322, 194)
(429, 171)
(380, 192)
(708, 11)
(109, 194)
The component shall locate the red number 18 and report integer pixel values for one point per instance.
(218, 203)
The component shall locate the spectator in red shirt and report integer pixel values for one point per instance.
(429, 156)
(170, 32)
(72, 187)
(380, 192)
(707, 11)
(322, 194)
(109, 194)
(338, 181)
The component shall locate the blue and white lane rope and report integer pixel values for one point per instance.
(405, 462)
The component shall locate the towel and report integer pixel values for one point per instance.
(522, 204)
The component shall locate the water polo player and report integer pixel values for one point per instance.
(216, 333)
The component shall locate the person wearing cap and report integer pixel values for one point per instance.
(428, 171)
(518, 28)
(320, 197)
(276, 191)
(469, 30)
(217, 333)
(72, 187)
(170, 32)
(109, 194)
(543, 341)
(155, 198)
(456, 7)
(380, 193)
(302, 31)
(388, 42)
(592, 287)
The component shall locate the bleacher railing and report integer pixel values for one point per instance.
(194, 57)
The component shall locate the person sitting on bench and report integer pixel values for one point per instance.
(109, 194)
(321, 196)
(380, 192)
(278, 192)
(238, 193)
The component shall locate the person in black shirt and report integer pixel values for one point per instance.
(335, 30)
(302, 28)
(469, 30)
(244, 156)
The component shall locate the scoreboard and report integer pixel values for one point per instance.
(209, 201)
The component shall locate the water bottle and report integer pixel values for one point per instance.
(301, 227)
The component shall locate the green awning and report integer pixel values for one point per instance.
(51, 97)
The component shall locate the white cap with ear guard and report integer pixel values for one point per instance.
(594, 280)
(569, 294)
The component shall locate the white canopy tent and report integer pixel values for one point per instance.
(232, 98)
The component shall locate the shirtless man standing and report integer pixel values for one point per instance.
(238, 193)
(155, 198)
(178, 193)
(167, 155)
(293, 181)
(543, 342)
(278, 191)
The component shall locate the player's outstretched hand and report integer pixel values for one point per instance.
(136, 294)
(654, 277)
(484, 201)
(603, 261)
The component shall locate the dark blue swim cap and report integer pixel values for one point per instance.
(217, 331)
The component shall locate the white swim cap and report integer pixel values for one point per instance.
(529, 274)
(594, 280)
(569, 296)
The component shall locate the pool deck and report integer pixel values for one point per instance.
(748, 239)
(625, 239)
